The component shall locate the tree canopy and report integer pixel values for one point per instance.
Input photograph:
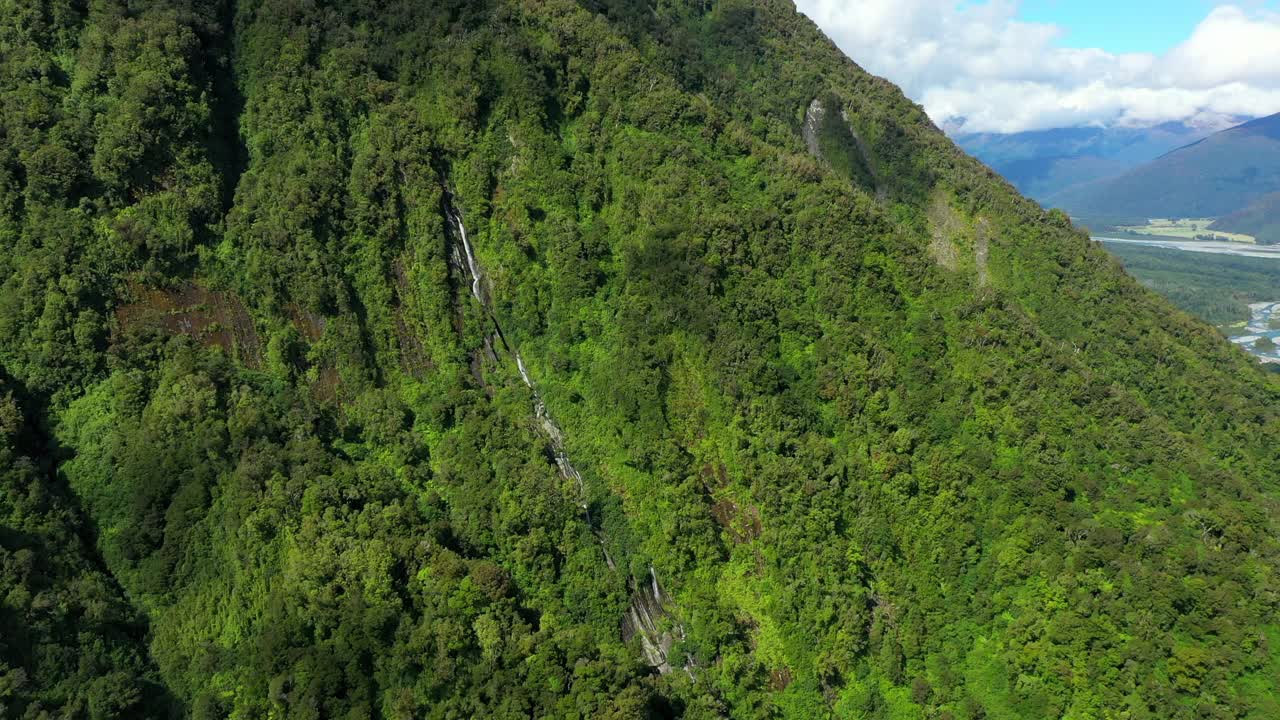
(518, 358)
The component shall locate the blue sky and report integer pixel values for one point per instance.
(1014, 65)
(1151, 26)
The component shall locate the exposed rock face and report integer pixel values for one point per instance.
(954, 238)
(834, 141)
(882, 192)
(813, 119)
(645, 618)
(945, 229)
(982, 250)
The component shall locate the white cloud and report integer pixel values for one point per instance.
(1229, 46)
(980, 63)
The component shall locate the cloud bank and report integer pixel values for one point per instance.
(980, 64)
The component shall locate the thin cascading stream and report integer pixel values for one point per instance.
(467, 263)
(648, 604)
(472, 267)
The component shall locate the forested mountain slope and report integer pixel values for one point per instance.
(600, 359)
(72, 646)
(1261, 219)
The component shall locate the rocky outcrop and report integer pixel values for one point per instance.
(813, 119)
(834, 141)
(647, 618)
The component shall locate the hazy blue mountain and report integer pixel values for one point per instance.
(1041, 163)
(1212, 177)
(1260, 219)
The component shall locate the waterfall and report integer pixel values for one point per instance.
(472, 266)
(644, 615)
(552, 431)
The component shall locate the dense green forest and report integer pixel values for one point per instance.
(1215, 288)
(518, 358)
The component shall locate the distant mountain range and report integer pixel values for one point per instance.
(1214, 177)
(1042, 163)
